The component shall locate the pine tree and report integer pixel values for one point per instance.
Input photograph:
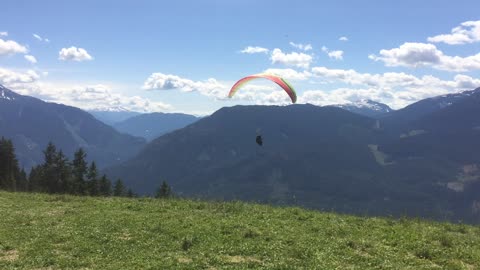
(3, 164)
(105, 186)
(22, 181)
(8, 165)
(93, 183)
(164, 191)
(48, 178)
(63, 174)
(79, 170)
(34, 179)
(119, 189)
(130, 193)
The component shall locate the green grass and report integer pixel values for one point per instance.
(40, 231)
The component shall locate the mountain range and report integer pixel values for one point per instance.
(421, 160)
(152, 125)
(113, 116)
(31, 123)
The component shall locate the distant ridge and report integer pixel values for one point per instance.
(31, 123)
(152, 125)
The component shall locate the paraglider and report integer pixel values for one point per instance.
(274, 78)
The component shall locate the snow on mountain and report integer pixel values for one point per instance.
(449, 99)
(365, 107)
(6, 94)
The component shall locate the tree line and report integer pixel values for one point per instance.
(59, 175)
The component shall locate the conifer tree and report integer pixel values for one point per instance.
(105, 186)
(79, 169)
(8, 165)
(48, 178)
(93, 183)
(164, 191)
(63, 174)
(119, 189)
(130, 193)
(34, 179)
(22, 181)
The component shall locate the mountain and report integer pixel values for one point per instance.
(325, 158)
(110, 117)
(31, 123)
(451, 133)
(152, 125)
(400, 119)
(311, 155)
(366, 107)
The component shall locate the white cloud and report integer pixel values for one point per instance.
(410, 54)
(262, 96)
(252, 50)
(467, 32)
(392, 80)
(303, 47)
(37, 37)
(11, 47)
(260, 92)
(396, 99)
(423, 54)
(300, 60)
(347, 95)
(343, 38)
(353, 77)
(75, 54)
(394, 89)
(273, 98)
(3, 34)
(31, 59)
(210, 87)
(10, 77)
(336, 55)
(102, 97)
(88, 96)
(289, 73)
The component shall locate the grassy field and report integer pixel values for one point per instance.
(66, 232)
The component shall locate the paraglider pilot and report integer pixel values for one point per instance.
(259, 140)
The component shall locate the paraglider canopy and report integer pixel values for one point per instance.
(274, 78)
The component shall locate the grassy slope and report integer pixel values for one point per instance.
(60, 232)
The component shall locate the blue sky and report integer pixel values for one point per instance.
(184, 55)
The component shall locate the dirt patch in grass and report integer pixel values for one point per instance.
(55, 212)
(9, 256)
(125, 236)
(184, 260)
(241, 259)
